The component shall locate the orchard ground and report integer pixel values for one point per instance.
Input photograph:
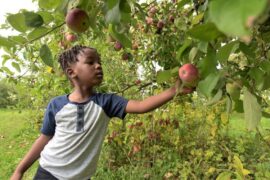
(17, 135)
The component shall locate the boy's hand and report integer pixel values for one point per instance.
(16, 176)
(180, 89)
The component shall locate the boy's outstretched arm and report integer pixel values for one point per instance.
(153, 102)
(32, 155)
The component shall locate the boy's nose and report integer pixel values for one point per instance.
(98, 66)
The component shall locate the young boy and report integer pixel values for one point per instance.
(75, 124)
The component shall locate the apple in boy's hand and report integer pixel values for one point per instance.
(189, 75)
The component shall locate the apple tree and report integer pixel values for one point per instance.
(143, 45)
(227, 41)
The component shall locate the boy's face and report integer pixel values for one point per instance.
(88, 71)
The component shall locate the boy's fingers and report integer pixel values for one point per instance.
(187, 90)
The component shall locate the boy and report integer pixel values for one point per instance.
(75, 124)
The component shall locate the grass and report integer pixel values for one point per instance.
(238, 125)
(16, 137)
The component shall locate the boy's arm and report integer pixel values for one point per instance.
(32, 155)
(153, 102)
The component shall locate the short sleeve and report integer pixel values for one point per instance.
(48, 127)
(115, 106)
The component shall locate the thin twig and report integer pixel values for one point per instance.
(54, 28)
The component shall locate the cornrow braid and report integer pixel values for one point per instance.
(70, 56)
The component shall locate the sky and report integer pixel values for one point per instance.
(12, 6)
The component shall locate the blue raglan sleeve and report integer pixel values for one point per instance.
(48, 127)
(115, 106)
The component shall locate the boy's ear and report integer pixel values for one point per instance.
(70, 73)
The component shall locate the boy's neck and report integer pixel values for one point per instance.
(80, 94)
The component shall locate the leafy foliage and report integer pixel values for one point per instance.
(227, 40)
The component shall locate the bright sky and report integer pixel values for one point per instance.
(12, 6)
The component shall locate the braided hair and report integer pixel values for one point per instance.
(69, 56)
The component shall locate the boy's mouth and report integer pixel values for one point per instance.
(99, 74)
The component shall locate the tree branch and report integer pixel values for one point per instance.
(41, 36)
(131, 85)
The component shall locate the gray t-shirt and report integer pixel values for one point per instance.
(78, 131)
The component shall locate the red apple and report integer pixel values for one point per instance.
(136, 148)
(160, 24)
(77, 20)
(117, 46)
(70, 37)
(189, 75)
(153, 10)
(125, 56)
(137, 82)
(171, 18)
(149, 20)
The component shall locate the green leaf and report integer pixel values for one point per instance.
(224, 176)
(46, 55)
(247, 50)
(16, 66)
(120, 37)
(225, 51)
(265, 65)
(111, 3)
(49, 4)
(166, 75)
(238, 164)
(124, 6)
(113, 15)
(266, 83)
(202, 46)
(205, 32)
(5, 58)
(208, 64)
(180, 51)
(258, 75)
(266, 114)
(7, 70)
(5, 42)
(266, 36)
(252, 110)
(192, 54)
(32, 19)
(215, 99)
(207, 85)
(38, 32)
(46, 16)
(228, 104)
(231, 16)
(181, 3)
(18, 39)
(17, 22)
(163, 76)
(84, 4)
(238, 106)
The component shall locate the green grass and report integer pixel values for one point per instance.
(237, 125)
(16, 137)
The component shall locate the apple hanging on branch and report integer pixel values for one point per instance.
(189, 75)
(70, 37)
(118, 46)
(77, 20)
